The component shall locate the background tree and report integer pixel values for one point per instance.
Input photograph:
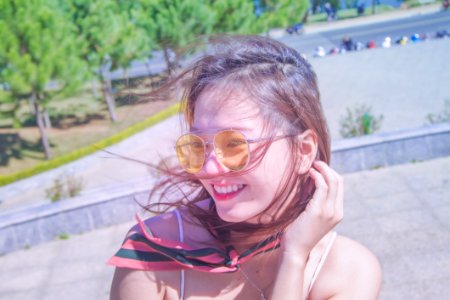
(111, 38)
(9, 107)
(39, 56)
(236, 16)
(283, 13)
(174, 24)
(335, 4)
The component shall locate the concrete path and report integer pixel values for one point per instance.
(400, 213)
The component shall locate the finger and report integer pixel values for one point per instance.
(339, 208)
(338, 202)
(321, 192)
(332, 180)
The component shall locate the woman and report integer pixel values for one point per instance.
(258, 200)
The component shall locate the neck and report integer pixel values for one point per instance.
(244, 241)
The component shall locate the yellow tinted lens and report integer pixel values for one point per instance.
(190, 152)
(231, 149)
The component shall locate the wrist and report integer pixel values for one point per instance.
(294, 258)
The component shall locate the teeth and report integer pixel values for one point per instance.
(227, 189)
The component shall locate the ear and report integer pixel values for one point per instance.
(308, 150)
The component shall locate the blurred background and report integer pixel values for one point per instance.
(74, 116)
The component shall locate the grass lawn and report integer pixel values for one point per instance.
(86, 121)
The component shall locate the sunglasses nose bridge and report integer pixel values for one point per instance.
(211, 149)
(212, 165)
(227, 151)
(209, 146)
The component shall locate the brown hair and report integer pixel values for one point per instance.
(284, 87)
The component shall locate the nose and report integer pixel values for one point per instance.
(212, 166)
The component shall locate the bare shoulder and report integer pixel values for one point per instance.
(166, 225)
(129, 284)
(163, 226)
(351, 271)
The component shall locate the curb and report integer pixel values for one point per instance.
(391, 148)
(34, 225)
(43, 223)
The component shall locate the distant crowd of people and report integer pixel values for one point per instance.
(348, 44)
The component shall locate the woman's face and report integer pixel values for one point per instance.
(239, 197)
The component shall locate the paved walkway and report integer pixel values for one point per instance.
(400, 213)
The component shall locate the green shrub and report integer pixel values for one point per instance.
(64, 187)
(74, 185)
(63, 236)
(441, 117)
(359, 121)
(56, 191)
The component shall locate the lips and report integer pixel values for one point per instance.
(226, 192)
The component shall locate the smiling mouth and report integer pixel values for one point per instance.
(227, 192)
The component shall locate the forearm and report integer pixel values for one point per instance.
(290, 277)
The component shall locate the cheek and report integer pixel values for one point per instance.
(276, 163)
(277, 167)
(205, 186)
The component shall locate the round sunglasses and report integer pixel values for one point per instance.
(231, 148)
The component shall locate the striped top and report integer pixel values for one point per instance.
(142, 251)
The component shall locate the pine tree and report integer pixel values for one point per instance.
(39, 56)
(110, 37)
(236, 16)
(175, 24)
(283, 13)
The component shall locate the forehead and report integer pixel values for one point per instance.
(219, 108)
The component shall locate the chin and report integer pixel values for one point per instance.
(236, 215)
(231, 218)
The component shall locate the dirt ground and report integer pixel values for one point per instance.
(21, 148)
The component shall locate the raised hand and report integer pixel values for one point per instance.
(322, 214)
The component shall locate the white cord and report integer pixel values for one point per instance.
(261, 293)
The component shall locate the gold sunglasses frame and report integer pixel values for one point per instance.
(215, 132)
